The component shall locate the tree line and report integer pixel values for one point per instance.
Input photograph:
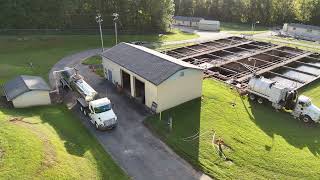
(267, 12)
(139, 15)
(150, 15)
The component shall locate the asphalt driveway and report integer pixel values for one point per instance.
(131, 144)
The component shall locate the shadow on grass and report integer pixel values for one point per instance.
(77, 139)
(184, 136)
(275, 123)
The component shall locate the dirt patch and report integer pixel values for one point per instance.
(1, 153)
(50, 156)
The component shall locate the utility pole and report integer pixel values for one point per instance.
(99, 21)
(253, 26)
(115, 19)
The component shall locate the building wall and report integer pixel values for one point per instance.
(32, 98)
(209, 25)
(311, 34)
(179, 89)
(150, 89)
(172, 92)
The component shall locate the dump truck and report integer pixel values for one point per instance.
(261, 89)
(99, 110)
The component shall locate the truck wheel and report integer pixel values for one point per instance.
(306, 119)
(260, 100)
(252, 97)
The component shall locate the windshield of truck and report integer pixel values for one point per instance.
(102, 109)
(307, 104)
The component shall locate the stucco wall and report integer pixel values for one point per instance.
(172, 92)
(150, 89)
(297, 31)
(209, 25)
(32, 98)
(179, 89)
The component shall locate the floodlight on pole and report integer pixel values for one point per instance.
(99, 20)
(253, 27)
(115, 19)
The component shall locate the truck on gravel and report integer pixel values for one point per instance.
(261, 89)
(99, 110)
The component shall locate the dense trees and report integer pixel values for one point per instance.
(143, 15)
(267, 12)
(151, 15)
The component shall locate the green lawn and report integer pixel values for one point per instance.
(264, 144)
(50, 142)
(95, 60)
(177, 35)
(17, 53)
(301, 44)
(237, 28)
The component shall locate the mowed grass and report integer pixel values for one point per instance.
(264, 144)
(35, 55)
(238, 28)
(301, 44)
(176, 35)
(50, 142)
(95, 60)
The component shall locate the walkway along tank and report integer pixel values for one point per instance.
(98, 109)
(301, 107)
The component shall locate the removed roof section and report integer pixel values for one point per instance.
(147, 63)
(23, 84)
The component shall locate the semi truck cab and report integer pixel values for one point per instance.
(305, 110)
(101, 114)
(98, 109)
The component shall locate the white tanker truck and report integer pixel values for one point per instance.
(262, 89)
(98, 109)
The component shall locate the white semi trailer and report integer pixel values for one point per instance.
(261, 89)
(98, 109)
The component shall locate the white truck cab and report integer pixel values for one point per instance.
(101, 114)
(98, 109)
(305, 110)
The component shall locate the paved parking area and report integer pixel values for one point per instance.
(131, 144)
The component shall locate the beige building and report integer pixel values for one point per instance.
(209, 25)
(27, 91)
(156, 80)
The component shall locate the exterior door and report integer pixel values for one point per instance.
(110, 75)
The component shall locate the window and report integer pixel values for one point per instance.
(182, 74)
(102, 109)
(301, 103)
(309, 30)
